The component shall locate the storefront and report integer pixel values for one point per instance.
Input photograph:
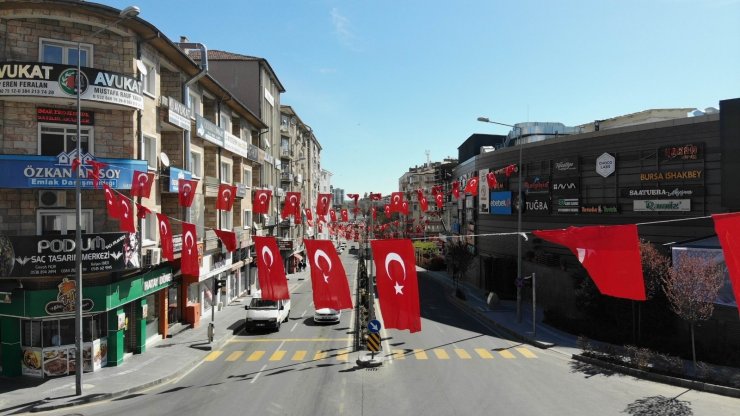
(38, 337)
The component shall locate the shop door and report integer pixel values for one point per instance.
(173, 306)
(130, 334)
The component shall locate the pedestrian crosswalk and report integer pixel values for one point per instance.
(343, 354)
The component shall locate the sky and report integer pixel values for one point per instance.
(381, 82)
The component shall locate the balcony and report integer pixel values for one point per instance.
(286, 177)
(286, 153)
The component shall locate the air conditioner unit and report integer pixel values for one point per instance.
(152, 257)
(52, 199)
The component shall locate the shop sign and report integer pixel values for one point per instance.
(175, 176)
(537, 205)
(64, 116)
(285, 245)
(673, 175)
(605, 165)
(567, 205)
(54, 255)
(178, 114)
(501, 202)
(49, 81)
(155, 283)
(33, 171)
(206, 129)
(565, 167)
(653, 205)
(235, 145)
(537, 185)
(66, 299)
(483, 191)
(684, 152)
(253, 153)
(665, 192)
(599, 209)
(565, 186)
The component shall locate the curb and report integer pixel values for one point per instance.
(661, 378)
(44, 407)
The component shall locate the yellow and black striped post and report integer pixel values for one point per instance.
(373, 342)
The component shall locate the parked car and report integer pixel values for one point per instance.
(266, 314)
(326, 315)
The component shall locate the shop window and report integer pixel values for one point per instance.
(247, 220)
(150, 152)
(55, 139)
(60, 52)
(149, 80)
(51, 337)
(31, 333)
(61, 221)
(227, 219)
(196, 164)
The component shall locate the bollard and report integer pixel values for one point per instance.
(211, 330)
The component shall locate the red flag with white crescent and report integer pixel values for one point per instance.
(491, 179)
(472, 186)
(398, 288)
(228, 238)
(261, 202)
(270, 269)
(111, 202)
(345, 215)
(396, 201)
(456, 189)
(375, 197)
(387, 210)
(322, 204)
(309, 217)
(509, 170)
(440, 200)
(374, 213)
(126, 211)
(727, 227)
(186, 194)
(292, 206)
(95, 172)
(328, 278)
(333, 216)
(354, 197)
(141, 184)
(189, 259)
(226, 195)
(423, 203)
(142, 211)
(165, 237)
(405, 207)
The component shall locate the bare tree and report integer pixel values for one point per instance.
(692, 285)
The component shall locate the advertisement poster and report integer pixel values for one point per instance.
(31, 363)
(501, 203)
(483, 192)
(95, 354)
(58, 361)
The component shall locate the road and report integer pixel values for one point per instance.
(455, 366)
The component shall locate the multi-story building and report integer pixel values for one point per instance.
(337, 198)
(423, 178)
(145, 106)
(325, 187)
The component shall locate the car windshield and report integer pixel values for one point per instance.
(263, 303)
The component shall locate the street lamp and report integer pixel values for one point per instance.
(127, 13)
(518, 131)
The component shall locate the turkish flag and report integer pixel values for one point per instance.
(727, 227)
(141, 184)
(226, 194)
(354, 197)
(345, 215)
(228, 238)
(142, 211)
(111, 202)
(126, 211)
(491, 179)
(75, 164)
(95, 172)
(328, 279)
(322, 204)
(309, 217)
(387, 210)
(437, 190)
(292, 206)
(189, 259)
(422, 200)
(456, 189)
(332, 216)
(165, 237)
(375, 213)
(270, 269)
(509, 170)
(375, 197)
(472, 186)
(261, 202)
(440, 200)
(186, 188)
(405, 207)
(396, 201)
(398, 288)
(610, 254)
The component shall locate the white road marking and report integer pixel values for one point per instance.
(258, 374)
(295, 325)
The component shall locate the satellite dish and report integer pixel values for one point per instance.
(164, 159)
(141, 66)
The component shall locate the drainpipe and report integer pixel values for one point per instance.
(189, 105)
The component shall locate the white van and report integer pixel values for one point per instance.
(264, 314)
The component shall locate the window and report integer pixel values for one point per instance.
(150, 152)
(225, 121)
(149, 80)
(225, 172)
(247, 178)
(196, 164)
(195, 104)
(61, 221)
(227, 220)
(56, 138)
(59, 52)
(247, 220)
(148, 231)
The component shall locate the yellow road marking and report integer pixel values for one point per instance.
(484, 353)
(299, 356)
(278, 355)
(420, 354)
(441, 354)
(506, 354)
(399, 355)
(289, 340)
(213, 355)
(343, 355)
(525, 352)
(255, 356)
(234, 355)
(320, 355)
(462, 353)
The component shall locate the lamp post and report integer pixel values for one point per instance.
(127, 13)
(519, 281)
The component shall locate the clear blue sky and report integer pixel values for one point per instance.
(381, 81)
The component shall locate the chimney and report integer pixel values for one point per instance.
(184, 39)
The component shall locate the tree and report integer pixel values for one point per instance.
(654, 270)
(461, 258)
(692, 285)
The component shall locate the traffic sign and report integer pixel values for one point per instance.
(373, 342)
(374, 326)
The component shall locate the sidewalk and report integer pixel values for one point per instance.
(162, 361)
